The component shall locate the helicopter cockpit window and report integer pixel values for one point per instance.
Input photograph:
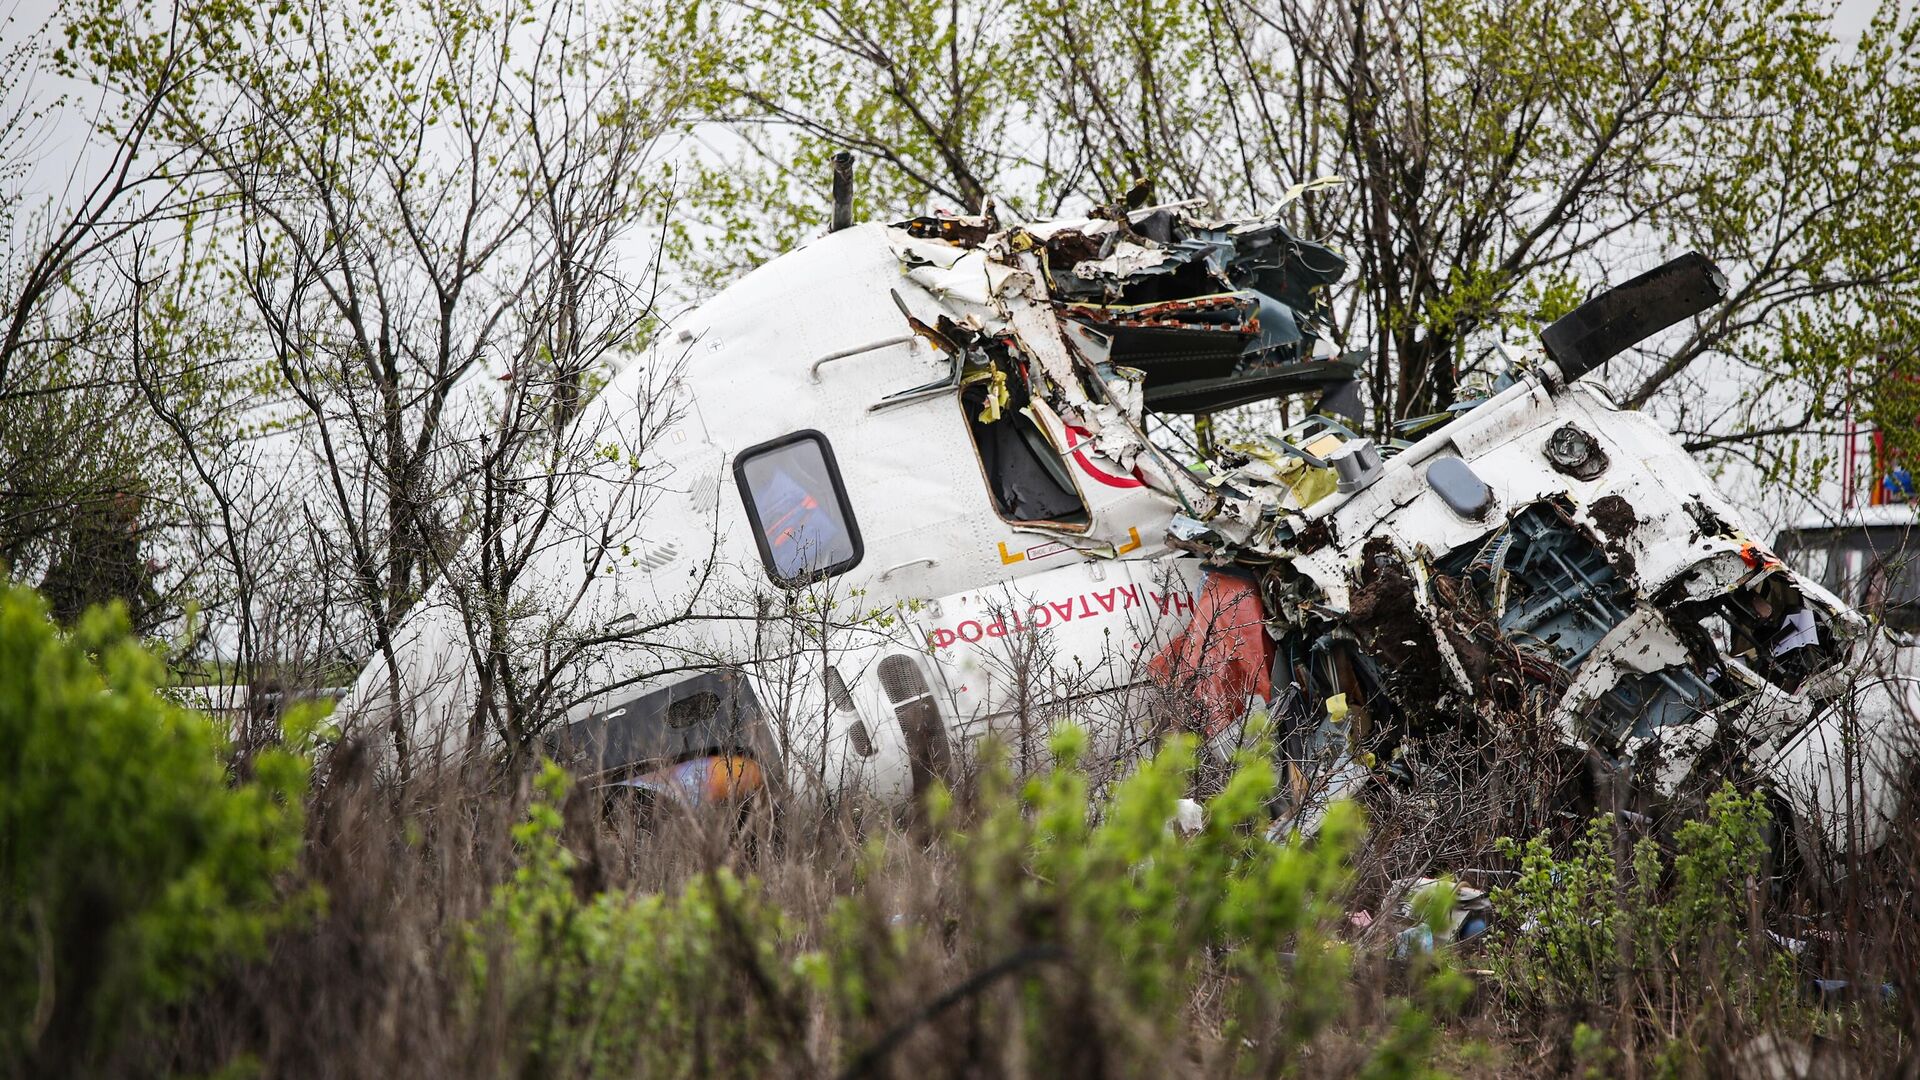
(1025, 475)
(798, 506)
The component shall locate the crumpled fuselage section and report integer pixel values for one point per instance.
(1535, 555)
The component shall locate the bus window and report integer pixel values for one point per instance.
(798, 506)
(1874, 568)
(1811, 559)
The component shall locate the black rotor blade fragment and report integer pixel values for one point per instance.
(1629, 313)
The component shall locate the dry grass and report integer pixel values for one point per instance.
(380, 981)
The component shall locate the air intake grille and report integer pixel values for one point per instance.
(920, 724)
(862, 742)
(902, 681)
(657, 556)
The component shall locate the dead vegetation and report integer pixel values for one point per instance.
(491, 920)
(479, 924)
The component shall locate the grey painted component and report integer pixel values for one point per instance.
(1460, 487)
(1343, 399)
(1356, 464)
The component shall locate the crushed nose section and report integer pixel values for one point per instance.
(1531, 557)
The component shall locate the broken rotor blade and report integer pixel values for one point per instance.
(1629, 313)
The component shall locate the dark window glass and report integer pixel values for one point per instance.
(1876, 568)
(798, 507)
(1890, 582)
(1024, 473)
(693, 709)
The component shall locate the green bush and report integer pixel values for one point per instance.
(1141, 916)
(649, 985)
(130, 865)
(1674, 931)
(1041, 933)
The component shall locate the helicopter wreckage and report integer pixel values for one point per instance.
(1534, 551)
(1535, 554)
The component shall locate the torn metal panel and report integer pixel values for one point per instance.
(1634, 682)
(1037, 331)
(964, 231)
(1135, 272)
(1216, 314)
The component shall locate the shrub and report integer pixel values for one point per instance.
(1039, 933)
(130, 866)
(684, 984)
(1674, 936)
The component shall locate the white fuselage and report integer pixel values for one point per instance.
(942, 577)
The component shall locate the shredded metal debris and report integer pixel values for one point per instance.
(1535, 550)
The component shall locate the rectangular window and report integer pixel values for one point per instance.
(1811, 558)
(798, 507)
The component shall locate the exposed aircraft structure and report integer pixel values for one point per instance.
(947, 425)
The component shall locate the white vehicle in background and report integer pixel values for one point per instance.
(1869, 556)
(922, 490)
